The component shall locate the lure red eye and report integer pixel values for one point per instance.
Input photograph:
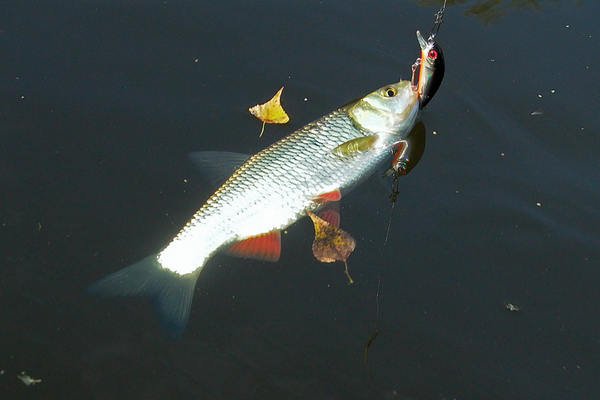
(432, 54)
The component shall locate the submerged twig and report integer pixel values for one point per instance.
(350, 280)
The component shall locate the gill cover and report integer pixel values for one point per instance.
(431, 69)
(388, 110)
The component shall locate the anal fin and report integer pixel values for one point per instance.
(266, 247)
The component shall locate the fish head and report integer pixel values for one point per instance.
(391, 109)
(431, 69)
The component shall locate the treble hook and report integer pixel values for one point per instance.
(414, 78)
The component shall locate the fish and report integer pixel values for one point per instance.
(267, 192)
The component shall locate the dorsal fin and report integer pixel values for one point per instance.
(217, 166)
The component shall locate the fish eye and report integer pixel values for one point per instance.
(390, 92)
(432, 55)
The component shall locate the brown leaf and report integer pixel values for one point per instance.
(331, 244)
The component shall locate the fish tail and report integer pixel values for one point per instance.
(171, 293)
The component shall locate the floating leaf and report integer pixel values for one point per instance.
(270, 112)
(331, 243)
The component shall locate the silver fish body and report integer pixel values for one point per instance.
(270, 191)
(275, 188)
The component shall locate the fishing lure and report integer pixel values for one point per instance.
(427, 75)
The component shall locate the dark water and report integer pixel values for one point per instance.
(101, 101)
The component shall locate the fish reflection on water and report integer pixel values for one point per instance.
(486, 10)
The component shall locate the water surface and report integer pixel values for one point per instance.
(102, 101)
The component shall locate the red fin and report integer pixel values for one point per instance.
(334, 195)
(331, 214)
(265, 247)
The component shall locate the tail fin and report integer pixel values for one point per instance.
(171, 293)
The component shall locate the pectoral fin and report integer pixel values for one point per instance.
(355, 146)
(409, 151)
(334, 195)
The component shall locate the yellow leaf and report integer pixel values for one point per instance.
(270, 112)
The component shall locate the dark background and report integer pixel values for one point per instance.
(100, 102)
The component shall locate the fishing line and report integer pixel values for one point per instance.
(439, 18)
(376, 330)
(393, 198)
(437, 23)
